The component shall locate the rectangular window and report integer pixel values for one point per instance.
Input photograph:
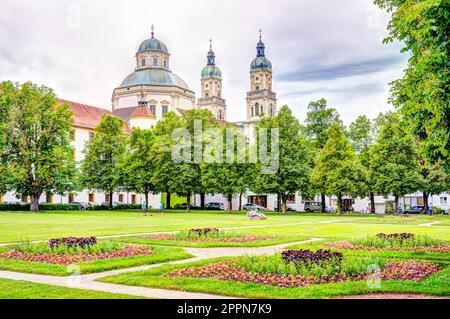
(155, 62)
(165, 109)
(71, 198)
(165, 63)
(107, 198)
(143, 62)
(133, 199)
(153, 109)
(120, 198)
(91, 198)
(257, 88)
(49, 198)
(444, 200)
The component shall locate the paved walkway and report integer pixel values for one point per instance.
(88, 281)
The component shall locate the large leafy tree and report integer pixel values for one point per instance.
(394, 167)
(164, 175)
(361, 135)
(337, 169)
(35, 143)
(101, 169)
(318, 120)
(295, 158)
(227, 177)
(423, 94)
(137, 167)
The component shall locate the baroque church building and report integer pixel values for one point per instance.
(152, 90)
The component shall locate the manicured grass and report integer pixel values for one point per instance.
(437, 284)
(12, 289)
(22, 226)
(161, 255)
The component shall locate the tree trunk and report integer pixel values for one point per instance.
(168, 201)
(324, 208)
(372, 203)
(230, 203)
(395, 204)
(240, 201)
(425, 202)
(146, 200)
(202, 200)
(34, 206)
(188, 202)
(110, 200)
(284, 204)
(339, 203)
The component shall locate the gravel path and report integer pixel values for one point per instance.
(88, 282)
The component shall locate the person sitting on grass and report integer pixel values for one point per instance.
(256, 214)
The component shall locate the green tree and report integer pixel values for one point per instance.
(137, 167)
(164, 175)
(100, 169)
(229, 176)
(360, 134)
(35, 141)
(337, 169)
(434, 180)
(394, 160)
(423, 94)
(318, 120)
(295, 157)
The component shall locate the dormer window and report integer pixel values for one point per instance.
(155, 61)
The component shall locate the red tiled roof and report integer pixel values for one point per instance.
(142, 111)
(87, 116)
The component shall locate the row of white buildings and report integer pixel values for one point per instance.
(152, 90)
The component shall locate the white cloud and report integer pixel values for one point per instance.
(83, 49)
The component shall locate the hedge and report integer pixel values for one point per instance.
(26, 207)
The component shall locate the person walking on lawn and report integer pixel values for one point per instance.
(161, 208)
(144, 208)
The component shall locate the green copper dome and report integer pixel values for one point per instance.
(261, 63)
(153, 45)
(211, 71)
(158, 77)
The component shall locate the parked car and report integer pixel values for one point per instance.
(184, 206)
(81, 205)
(313, 206)
(414, 210)
(215, 206)
(254, 207)
(288, 209)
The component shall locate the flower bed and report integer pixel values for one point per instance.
(65, 259)
(240, 239)
(397, 242)
(227, 271)
(346, 245)
(72, 242)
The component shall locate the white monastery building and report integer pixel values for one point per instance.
(152, 90)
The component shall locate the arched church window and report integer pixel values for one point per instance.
(165, 63)
(165, 109)
(251, 109)
(257, 88)
(206, 94)
(143, 62)
(262, 109)
(153, 109)
(256, 109)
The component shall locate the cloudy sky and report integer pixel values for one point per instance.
(323, 48)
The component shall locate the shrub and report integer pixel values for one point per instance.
(308, 256)
(49, 207)
(72, 242)
(203, 231)
(63, 249)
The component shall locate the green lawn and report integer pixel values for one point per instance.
(13, 289)
(437, 284)
(21, 226)
(161, 255)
